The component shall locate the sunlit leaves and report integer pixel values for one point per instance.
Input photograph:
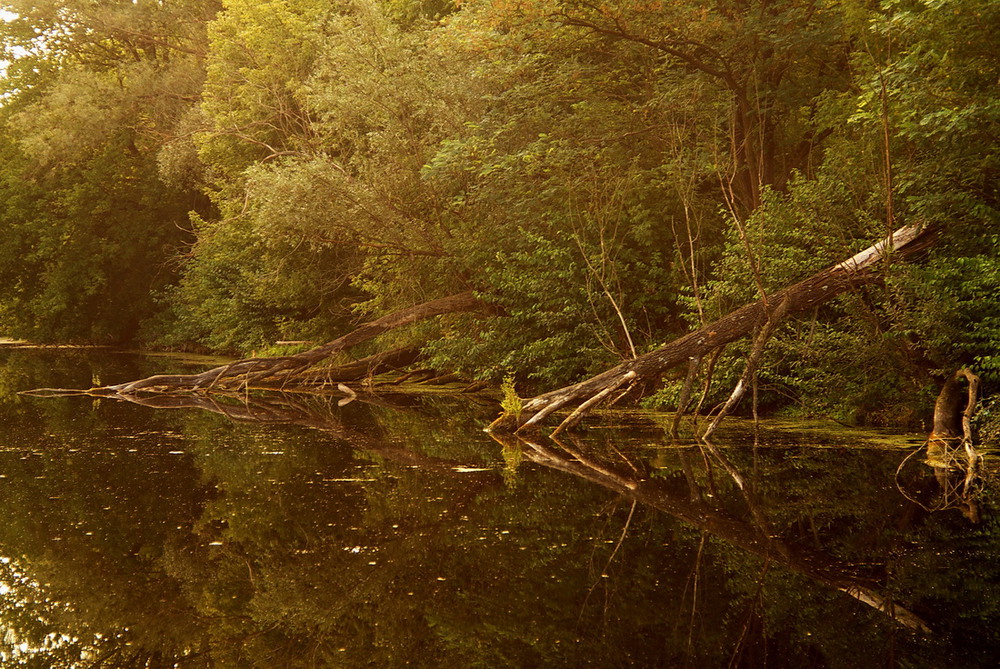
(97, 91)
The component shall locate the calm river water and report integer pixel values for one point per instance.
(291, 532)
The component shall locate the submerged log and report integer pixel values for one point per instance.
(807, 294)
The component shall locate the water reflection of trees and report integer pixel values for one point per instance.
(754, 535)
(428, 549)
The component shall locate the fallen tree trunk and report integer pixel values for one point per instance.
(281, 370)
(379, 363)
(811, 292)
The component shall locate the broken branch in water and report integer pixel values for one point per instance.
(281, 370)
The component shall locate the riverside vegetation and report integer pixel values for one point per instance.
(589, 180)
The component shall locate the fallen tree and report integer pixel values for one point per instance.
(278, 371)
(760, 315)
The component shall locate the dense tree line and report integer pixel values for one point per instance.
(606, 176)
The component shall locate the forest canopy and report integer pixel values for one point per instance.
(604, 176)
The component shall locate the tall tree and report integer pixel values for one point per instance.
(94, 94)
(771, 59)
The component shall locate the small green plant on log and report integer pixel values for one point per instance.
(510, 402)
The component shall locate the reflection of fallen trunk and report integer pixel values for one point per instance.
(685, 503)
(692, 509)
(305, 411)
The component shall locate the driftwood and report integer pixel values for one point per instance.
(277, 371)
(860, 269)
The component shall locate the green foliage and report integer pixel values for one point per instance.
(562, 217)
(559, 310)
(877, 354)
(510, 402)
(407, 12)
(987, 422)
(89, 250)
(955, 309)
(790, 236)
(243, 290)
(90, 95)
(261, 54)
(605, 177)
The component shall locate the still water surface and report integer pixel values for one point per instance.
(297, 533)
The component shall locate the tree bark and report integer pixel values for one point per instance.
(952, 422)
(379, 363)
(279, 370)
(821, 287)
(749, 376)
(950, 448)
